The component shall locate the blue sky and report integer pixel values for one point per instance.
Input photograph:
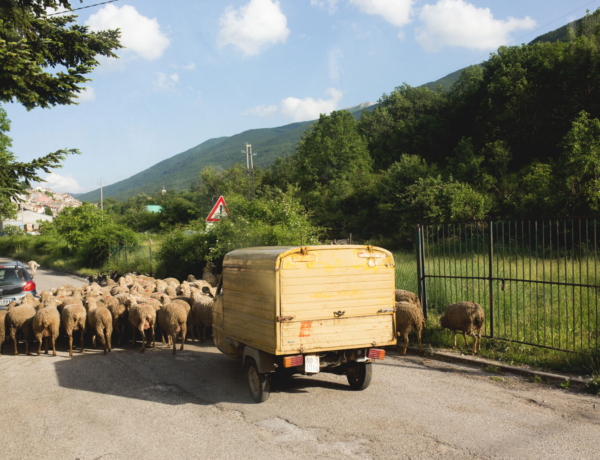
(198, 69)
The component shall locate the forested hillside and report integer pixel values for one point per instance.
(518, 136)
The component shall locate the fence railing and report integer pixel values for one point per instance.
(536, 279)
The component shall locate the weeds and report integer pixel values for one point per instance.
(566, 385)
(535, 379)
(493, 369)
(593, 386)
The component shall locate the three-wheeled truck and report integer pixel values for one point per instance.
(305, 310)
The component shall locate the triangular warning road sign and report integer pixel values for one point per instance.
(219, 210)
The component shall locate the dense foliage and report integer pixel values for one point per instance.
(44, 60)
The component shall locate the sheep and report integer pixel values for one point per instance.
(191, 278)
(99, 321)
(407, 296)
(172, 320)
(119, 316)
(13, 304)
(33, 266)
(160, 286)
(3, 314)
(467, 317)
(170, 291)
(409, 317)
(208, 274)
(184, 289)
(46, 323)
(74, 317)
(19, 319)
(141, 317)
(202, 315)
(172, 282)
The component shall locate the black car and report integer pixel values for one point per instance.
(15, 283)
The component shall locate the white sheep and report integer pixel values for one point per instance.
(33, 266)
(173, 320)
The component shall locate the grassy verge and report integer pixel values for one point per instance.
(585, 363)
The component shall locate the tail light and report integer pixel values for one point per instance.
(293, 361)
(375, 353)
(29, 286)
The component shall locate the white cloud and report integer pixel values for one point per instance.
(458, 23)
(263, 110)
(87, 95)
(396, 12)
(329, 5)
(335, 68)
(139, 34)
(309, 108)
(190, 66)
(61, 184)
(166, 82)
(253, 26)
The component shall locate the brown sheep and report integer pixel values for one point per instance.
(467, 317)
(141, 318)
(19, 319)
(3, 314)
(74, 317)
(99, 321)
(172, 282)
(409, 317)
(202, 315)
(46, 323)
(407, 296)
(119, 316)
(173, 320)
(208, 274)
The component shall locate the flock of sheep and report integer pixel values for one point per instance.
(143, 303)
(172, 309)
(466, 317)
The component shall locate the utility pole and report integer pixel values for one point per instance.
(248, 153)
(101, 197)
(252, 168)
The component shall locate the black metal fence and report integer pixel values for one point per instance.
(536, 279)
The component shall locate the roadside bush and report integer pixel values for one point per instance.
(93, 250)
(274, 219)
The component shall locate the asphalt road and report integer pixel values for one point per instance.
(129, 405)
(46, 278)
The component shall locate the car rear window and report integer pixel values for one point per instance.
(10, 276)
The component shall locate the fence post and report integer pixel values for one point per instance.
(491, 278)
(420, 271)
(150, 248)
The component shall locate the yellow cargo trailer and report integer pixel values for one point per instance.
(310, 309)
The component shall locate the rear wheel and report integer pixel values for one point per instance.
(258, 383)
(359, 375)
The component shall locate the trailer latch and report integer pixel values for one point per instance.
(283, 319)
(339, 313)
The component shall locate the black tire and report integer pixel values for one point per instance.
(359, 375)
(258, 384)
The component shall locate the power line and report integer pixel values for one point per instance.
(532, 32)
(82, 8)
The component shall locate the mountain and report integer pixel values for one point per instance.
(181, 170)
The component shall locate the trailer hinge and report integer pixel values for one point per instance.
(283, 319)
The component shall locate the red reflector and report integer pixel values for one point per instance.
(29, 286)
(375, 353)
(293, 361)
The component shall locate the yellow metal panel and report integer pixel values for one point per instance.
(337, 334)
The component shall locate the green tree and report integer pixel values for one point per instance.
(16, 176)
(581, 164)
(44, 61)
(75, 224)
(48, 211)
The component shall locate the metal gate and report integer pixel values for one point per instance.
(536, 279)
